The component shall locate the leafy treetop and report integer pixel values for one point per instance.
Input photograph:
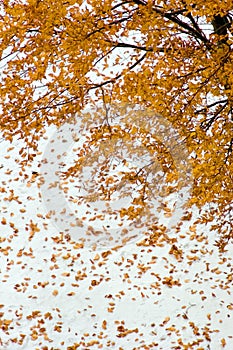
(174, 57)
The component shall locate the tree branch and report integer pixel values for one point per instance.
(173, 17)
(214, 117)
(119, 75)
(211, 105)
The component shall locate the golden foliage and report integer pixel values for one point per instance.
(174, 57)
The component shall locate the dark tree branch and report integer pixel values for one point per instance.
(121, 20)
(221, 24)
(173, 17)
(120, 4)
(229, 150)
(211, 105)
(194, 23)
(131, 46)
(207, 125)
(119, 75)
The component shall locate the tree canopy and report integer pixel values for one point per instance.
(172, 57)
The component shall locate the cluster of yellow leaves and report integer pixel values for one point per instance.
(179, 63)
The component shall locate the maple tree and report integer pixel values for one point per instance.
(173, 57)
